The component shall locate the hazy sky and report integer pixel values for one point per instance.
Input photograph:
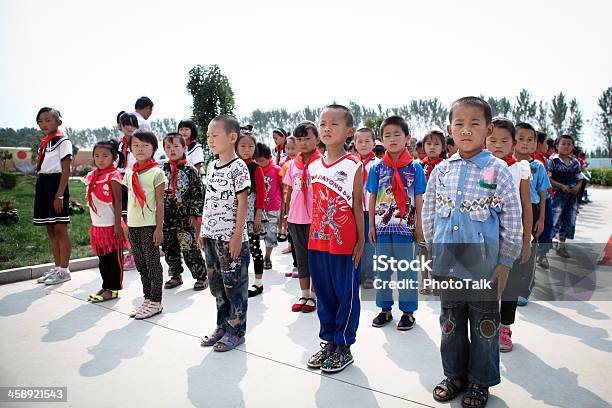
(93, 59)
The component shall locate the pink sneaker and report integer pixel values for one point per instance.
(128, 263)
(505, 340)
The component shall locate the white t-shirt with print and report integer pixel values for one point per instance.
(223, 184)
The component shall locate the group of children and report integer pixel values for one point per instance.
(474, 204)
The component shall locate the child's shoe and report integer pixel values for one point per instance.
(144, 305)
(317, 359)
(152, 309)
(201, 284)
(309, 307)
(382, 319)
(521, 301)
(505, 340)
(338, 360)
(255, 290)
(297, 306)
(60, 276)
(50, 272)
(543, 262)
(407, 322)
(173, 282)
(295, 273)
(267, 263)
(368, 283)
(562, 251)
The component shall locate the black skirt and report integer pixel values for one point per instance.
(46, 190)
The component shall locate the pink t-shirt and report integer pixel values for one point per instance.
(274, 188)
(298, 212)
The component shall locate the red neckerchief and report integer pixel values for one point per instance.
(510, 160)
(174, 173)
(365, 161)
(124, 151)
(96, 176)
(268, 167)
(431, 163)
(278, 152)
(43, 147)
(299, 163)
(399, 190)
(140, 196)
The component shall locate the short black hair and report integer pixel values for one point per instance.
(419, 144)
(472, 101)
(550, 143)
(527, 126)
(111, 145)
(395, 120)
(542, 136)
(230, 124)
(119, 116)
(143, 102)
(263, 150)
(174, 135)
(190, 124)
(54, 112)
(379, 149)
(348, 116)
(450, 141)
(145, 136)
(301, 130)
(505, 123)
(128, 119)
(563, 137)
(366, 130)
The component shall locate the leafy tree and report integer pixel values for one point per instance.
(525, 109)
(575, 122)
(558, 113)
(604, 120)
(499, 107)
(542, 117)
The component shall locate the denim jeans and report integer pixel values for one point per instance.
(400, 248)
(475, 355)
(564, 215)
(545, 239)
(228, 280)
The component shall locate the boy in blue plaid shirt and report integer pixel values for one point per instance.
(473, 227)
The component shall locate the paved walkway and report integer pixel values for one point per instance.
(53, 337)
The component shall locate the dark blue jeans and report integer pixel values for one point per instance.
(545, 239)
(472, 355)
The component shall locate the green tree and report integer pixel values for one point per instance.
(575, 122)
(542, 117)
(558, 113)
(525, 109)
(499, 107)
(604, 119)
(212, 96)
(5, 157)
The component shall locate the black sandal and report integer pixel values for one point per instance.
(476, 392)
(450, 388)
(255, 290)
(173, 282)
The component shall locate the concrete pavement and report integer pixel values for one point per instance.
(51, 336)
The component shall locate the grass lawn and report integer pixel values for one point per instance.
(24, 244)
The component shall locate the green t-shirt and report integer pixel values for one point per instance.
(149, 180)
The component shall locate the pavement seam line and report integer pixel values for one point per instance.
(253, 354)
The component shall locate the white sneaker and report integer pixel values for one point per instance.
(58, 277)
(144, 305)
(45, 275)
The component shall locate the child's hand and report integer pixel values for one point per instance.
(200, 242)
(58, 205)
(158, 236)
(357, 252)
(538, 228)
(500, 275)
(525, 252)
(257, 222)
(372, 235)
(118, 230)
(235, 246)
